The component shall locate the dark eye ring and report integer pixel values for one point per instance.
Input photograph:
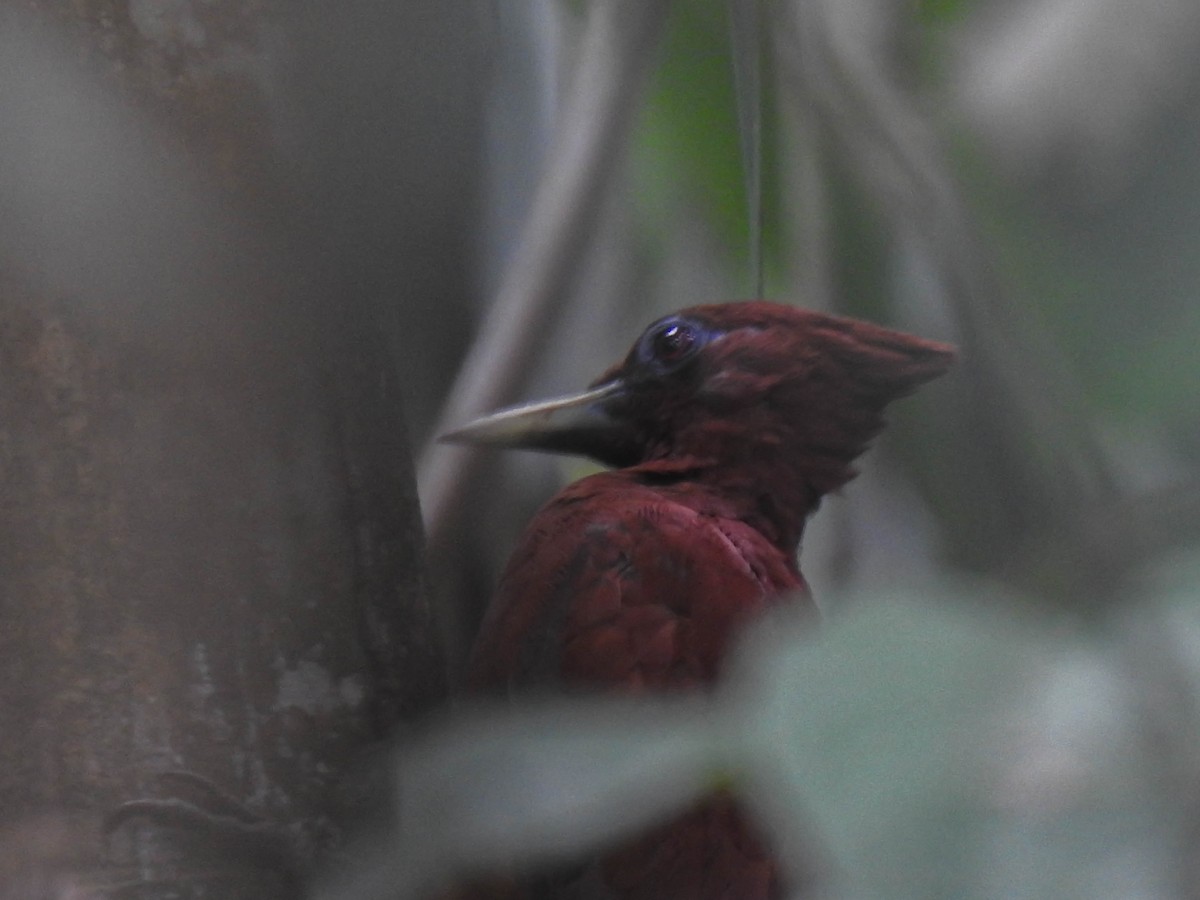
(671, 342)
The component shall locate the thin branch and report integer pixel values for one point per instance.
(1104, 543)
(618, 43)
(746, 37)
(897, 156)
(1034, 436)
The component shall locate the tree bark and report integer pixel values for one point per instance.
(210, 548)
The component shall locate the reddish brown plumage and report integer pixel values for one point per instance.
(728, 423)
(605, 587)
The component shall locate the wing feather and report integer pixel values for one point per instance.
(617, 585)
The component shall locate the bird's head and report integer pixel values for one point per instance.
(732, 384)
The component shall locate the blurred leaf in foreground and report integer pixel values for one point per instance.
(871, 737)
(916, 747)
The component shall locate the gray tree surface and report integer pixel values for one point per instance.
(210, 545)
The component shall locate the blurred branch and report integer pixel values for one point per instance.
(1104, 542)
(1071, 84)
(896, 154)
(618, 43)
(746, 37)
(1029, 457)
(811, 247)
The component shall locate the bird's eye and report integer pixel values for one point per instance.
(671, 342)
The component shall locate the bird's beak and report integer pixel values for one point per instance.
(579, 424)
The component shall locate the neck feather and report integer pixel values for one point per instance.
(775, 497)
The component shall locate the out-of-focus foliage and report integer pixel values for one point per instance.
(687, 157)
(688, 135)
(943, 745)
(935, 12)
(868, 741)
(1084, 120)
(917, 747)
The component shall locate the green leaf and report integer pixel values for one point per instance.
(687, 152)
(869, 734)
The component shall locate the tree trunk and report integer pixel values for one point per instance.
(210, 548)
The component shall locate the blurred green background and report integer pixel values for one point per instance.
(1019, 178)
